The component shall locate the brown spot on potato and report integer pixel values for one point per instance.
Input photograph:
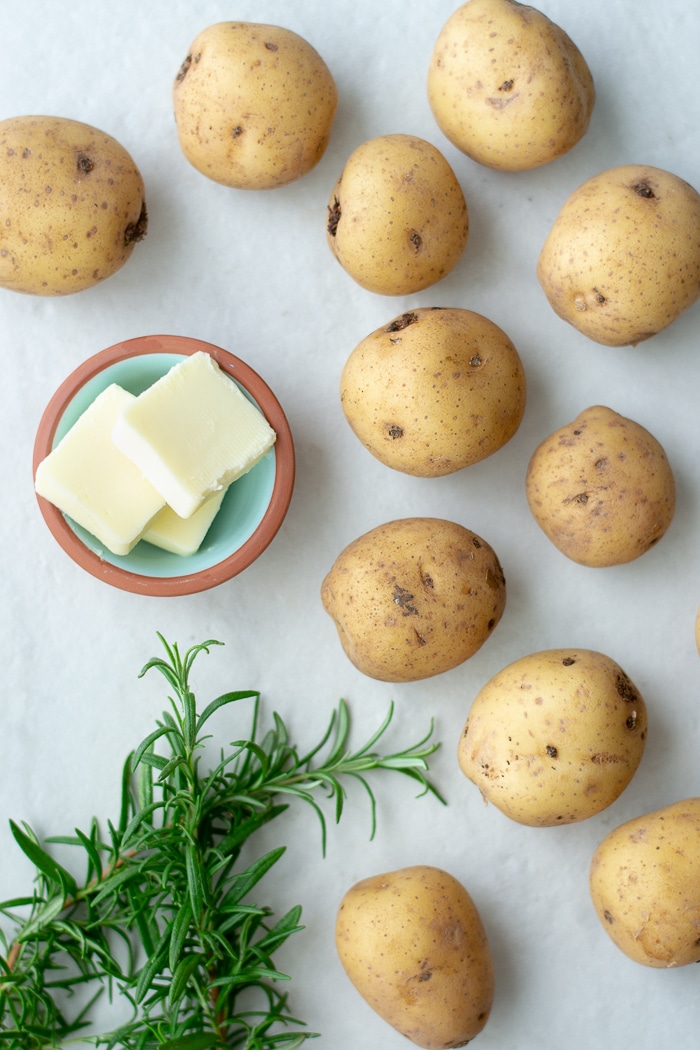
(334, 213)
(184, 69)
(625, 689)
(399, 323)
(136, 231)
(84, 164)
(581, 498)
(416, 241)
(643, 189)
(403, 599)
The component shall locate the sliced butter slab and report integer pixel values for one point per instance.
(192, 433)
(183, 536)
(91, 481)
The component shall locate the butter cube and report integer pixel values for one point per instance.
(183, 536)
(91, 481)
(192, 433)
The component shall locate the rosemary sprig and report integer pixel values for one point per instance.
(164, 918)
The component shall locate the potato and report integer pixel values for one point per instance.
(601, 489)
(622, 259)
(507, 86)
(554, 737)
(434, 391)
(644, 880)
(397, 218)
(254, 105)
(414, 597)
(413, 944)
(72, 205)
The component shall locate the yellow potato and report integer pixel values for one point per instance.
(601, 489)
(507, 86)
(644, 884)
(622, 259)
(434, 391)
(554, 737)
(414, 597)
(254, 105)
(72, 202)
(397, 217)
(413, 944)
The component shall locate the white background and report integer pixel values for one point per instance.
(251, 272)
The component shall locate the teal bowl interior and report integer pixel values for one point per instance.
(250, 514)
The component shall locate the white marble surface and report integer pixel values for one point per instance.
(252, 273)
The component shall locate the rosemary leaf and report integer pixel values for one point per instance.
(53, 871)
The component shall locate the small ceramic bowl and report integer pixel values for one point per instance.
(254, 506)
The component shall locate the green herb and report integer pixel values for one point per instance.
(165, 919)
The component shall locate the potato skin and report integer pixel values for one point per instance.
(254, 105)
(601, 489)
(507, 86)
(414, 597)
(434, 391)
(414, 945)
(72, 205)
(397, 218)
(622, 259)
(555, 737)
(644, 879)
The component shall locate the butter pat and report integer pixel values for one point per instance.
(183, 536)
(91, 481)
(192, 433)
